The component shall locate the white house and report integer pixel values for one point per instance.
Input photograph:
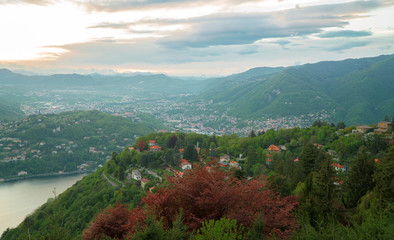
(22, 173)
(185, 164)
(135, 174)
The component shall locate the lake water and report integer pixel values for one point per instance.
(21, 198)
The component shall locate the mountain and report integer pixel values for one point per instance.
(354, 90)
(139, 83)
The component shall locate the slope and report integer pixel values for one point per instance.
(9, 110)
(356, 90)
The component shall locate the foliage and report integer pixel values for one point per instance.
(224, 229)
(111, 223)
(374, 228)
(77, 206)
(141, 145)
(346, 90)
(204, 195)
(256, 196)
(9, 109)
(319, 198)
(360, 178)
(154, 229)
(308, 157)
(384, 179)
(52, 143)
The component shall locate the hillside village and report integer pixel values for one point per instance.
(26, 145)
(152, 177)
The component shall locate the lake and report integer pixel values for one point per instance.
(21, 198)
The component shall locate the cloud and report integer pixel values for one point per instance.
(246, 28)
(345, 33)
(348, 45)
(249, 50)
(387, 47)
(34, 2)
(239, 28)
(120, 25)
(124, 5)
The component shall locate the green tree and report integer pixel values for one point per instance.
(318, 199)
(121, 171)
(325, 191)
(375, 143)
(156, 230)
(223, 229)
(384, 179)
(386, 118)
(308, 157)
(257, 230)
(341, 125)
(190, 153)
(239, 174)
(298, 174)
(252, 134)
(360, 178)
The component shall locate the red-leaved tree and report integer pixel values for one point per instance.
(111, 222)
(141, 145)
(203, 195)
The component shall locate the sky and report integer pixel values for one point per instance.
(188, 37)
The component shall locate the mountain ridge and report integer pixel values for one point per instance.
(344, 89)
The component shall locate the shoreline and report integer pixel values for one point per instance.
(42, 175)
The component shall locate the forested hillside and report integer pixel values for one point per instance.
(9, 110)
(356, 91)
(319, 182)
(45, 144)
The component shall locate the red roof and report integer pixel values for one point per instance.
(178, 174)
(233, 161)
(296, 160)
(181, 150)
(268, 155)
(152, 141)
(376, 160)
(184, 161)
(273, 148)
(131, 148)
(144, 180)
(268, 160)
(337, 165)
(155, 147)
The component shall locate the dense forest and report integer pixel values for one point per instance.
(327, 181)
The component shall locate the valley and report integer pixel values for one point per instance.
(258, 99)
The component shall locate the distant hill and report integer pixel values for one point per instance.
(354, 90)
(138, 83)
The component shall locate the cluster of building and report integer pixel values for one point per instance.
(381, 128)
